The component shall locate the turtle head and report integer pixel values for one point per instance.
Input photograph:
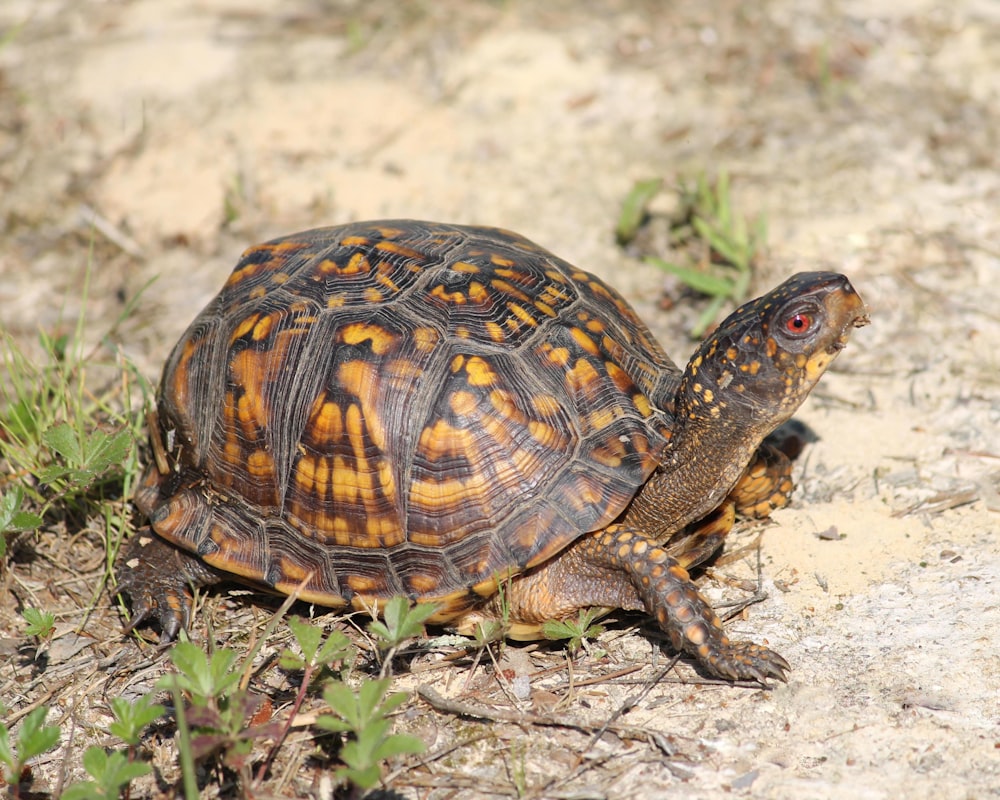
(758, 366)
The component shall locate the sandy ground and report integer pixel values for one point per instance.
(867, 133)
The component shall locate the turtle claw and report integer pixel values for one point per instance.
(743, 661)
(171, 610)
(157, 578)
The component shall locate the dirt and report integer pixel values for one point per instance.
(868, 135)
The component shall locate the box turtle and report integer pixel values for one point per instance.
(410, 408)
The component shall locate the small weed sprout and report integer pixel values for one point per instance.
(41, 624)
(110, 773)
(33, 738)
(132, 718)
(218, 709)
(363, 715)
(577, 631)
(723, 245)
(399, 622)
(12, 518)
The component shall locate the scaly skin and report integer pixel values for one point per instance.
(622, 567)
(158, 578)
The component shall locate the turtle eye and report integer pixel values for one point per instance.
(799, 324)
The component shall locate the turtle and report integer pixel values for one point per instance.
(456, 415)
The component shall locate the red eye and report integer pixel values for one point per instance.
(799, 323)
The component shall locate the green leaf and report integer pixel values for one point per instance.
(730, 250)
(6, 753)
(12, 519)
(315, 650)
(575, 630)
(111, 774)
(401, 621)
(634, 208)
(308, 637)
(106, 450)
(35, 737)
(203, 678)
(337, 647)
(365, 778)
(40, 623)
(65, 441)
(398, 744)
(131, 718)
(344, 703)
(703, 282)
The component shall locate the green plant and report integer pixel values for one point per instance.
(316, 655)
(577, 631)
(33, 739)
(131, 718)
(364, 716)
(217, 708)
(634, 209)
(110, 773)
(727, 245)
(41, 624)
(204, 679)
(721, 245)
(399, 622)
(12, 518)
(316, 652)
(61, 440)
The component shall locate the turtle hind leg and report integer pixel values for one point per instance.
(158, 579)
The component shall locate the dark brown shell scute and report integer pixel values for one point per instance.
(405, 408)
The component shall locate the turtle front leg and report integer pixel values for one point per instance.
(621, 567)
(158, 579)
(765, 485)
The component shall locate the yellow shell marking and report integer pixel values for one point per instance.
(582, 376)
(495, 332)
(449, 297)
(545, 404)
(462, 403)
(509, 288)
(399, 249)
(385, 280)
(642, 403)
(478, 293)
(480, 372)
(522, 314)
(263, 328)
(246, 325)
(354, 241)
(424, 339)
(585, 342)
(358, 332)
(545, 308)
(326, 423)
(361, 379)
(557, 355)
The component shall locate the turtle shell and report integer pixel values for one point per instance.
(404, 408)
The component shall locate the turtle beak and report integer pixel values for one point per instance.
(845, 305)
